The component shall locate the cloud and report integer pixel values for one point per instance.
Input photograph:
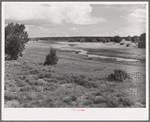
(74, 29)
(55, 13)
(130, 31)
(136, 22)
(125, 7)
(138, 15)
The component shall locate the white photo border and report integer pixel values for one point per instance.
(136, 114)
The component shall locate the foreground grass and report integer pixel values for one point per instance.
(39, 86)
(73, 82)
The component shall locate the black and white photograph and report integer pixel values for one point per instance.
(75, 57)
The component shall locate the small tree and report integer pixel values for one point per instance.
(107, 40)
(15, 40)
(142, 43)
(135, 39)
(101, 39)
(51, 58)
(128, 45)
(88, 39)
(117, 39)
(129, 38)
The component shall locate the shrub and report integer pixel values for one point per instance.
(129, 38)
(117, 39)
(21, 83)
(44, 75)
(34, 71)
(128, 45)
(87, 102)
(67, 100)
(143, 37)
(111, 39)
(122, 43)
(107, 40)
(77, 40)
(53, 80)
(88, 39)
(135, 39)
(15, 40)
(100, 39)
(51, 58)
(73, 98)
(112, 103)
(82, 40)
(99, 100)
(9, 96)
(104, 40)
(142, 43)
(26, 88)
(126, 101)
(118, 75)
(36, 82)
(81, 80)
(71, 40)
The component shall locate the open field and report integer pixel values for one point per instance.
(79, 79)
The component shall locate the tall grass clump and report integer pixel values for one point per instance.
(51, 58)
(119, 75)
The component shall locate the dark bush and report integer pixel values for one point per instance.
(128, 45)
(15, 39)
(122, 43)
(71, 40)
(118, 75)
(79, 80)
(82, 40)
(73, 98)
(51, 58)
(111, 39)
(88, 40)
(9, 96)
(117, 39)
(142, 43)
(107, 40)
(143, 37)
(135, 39)
(77, 40)
(100, 39)
(129, 38)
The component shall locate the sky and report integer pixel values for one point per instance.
(48, 19)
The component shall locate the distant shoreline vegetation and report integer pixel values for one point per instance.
(141, 40)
